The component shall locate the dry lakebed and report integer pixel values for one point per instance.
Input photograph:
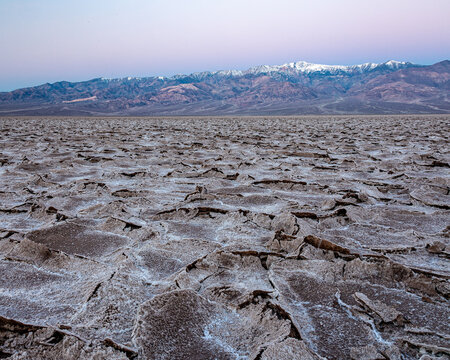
(225, 238)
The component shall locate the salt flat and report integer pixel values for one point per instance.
(225, 238)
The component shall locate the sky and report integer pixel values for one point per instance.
(52, 40)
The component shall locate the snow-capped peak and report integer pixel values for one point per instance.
(395, 64)
(292, 68)
(306, 67)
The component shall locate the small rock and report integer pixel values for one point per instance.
(329, 204)
(385, 312)
(436, 247)
(285, 222)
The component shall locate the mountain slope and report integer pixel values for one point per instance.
(293, 88)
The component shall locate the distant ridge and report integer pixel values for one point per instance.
(308, 68)
(292, 88)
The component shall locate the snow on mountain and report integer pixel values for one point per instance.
(305, 67)
(296, 68)
(301, 67)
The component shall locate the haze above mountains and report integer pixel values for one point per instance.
(290, 89)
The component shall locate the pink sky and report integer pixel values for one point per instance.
(50, 40)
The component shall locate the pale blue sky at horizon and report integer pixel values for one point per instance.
(49, 40)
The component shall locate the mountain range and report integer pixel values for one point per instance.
(290, 89)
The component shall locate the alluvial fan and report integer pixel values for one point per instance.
(225, 238)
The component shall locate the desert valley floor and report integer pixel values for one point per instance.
(225, 238)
